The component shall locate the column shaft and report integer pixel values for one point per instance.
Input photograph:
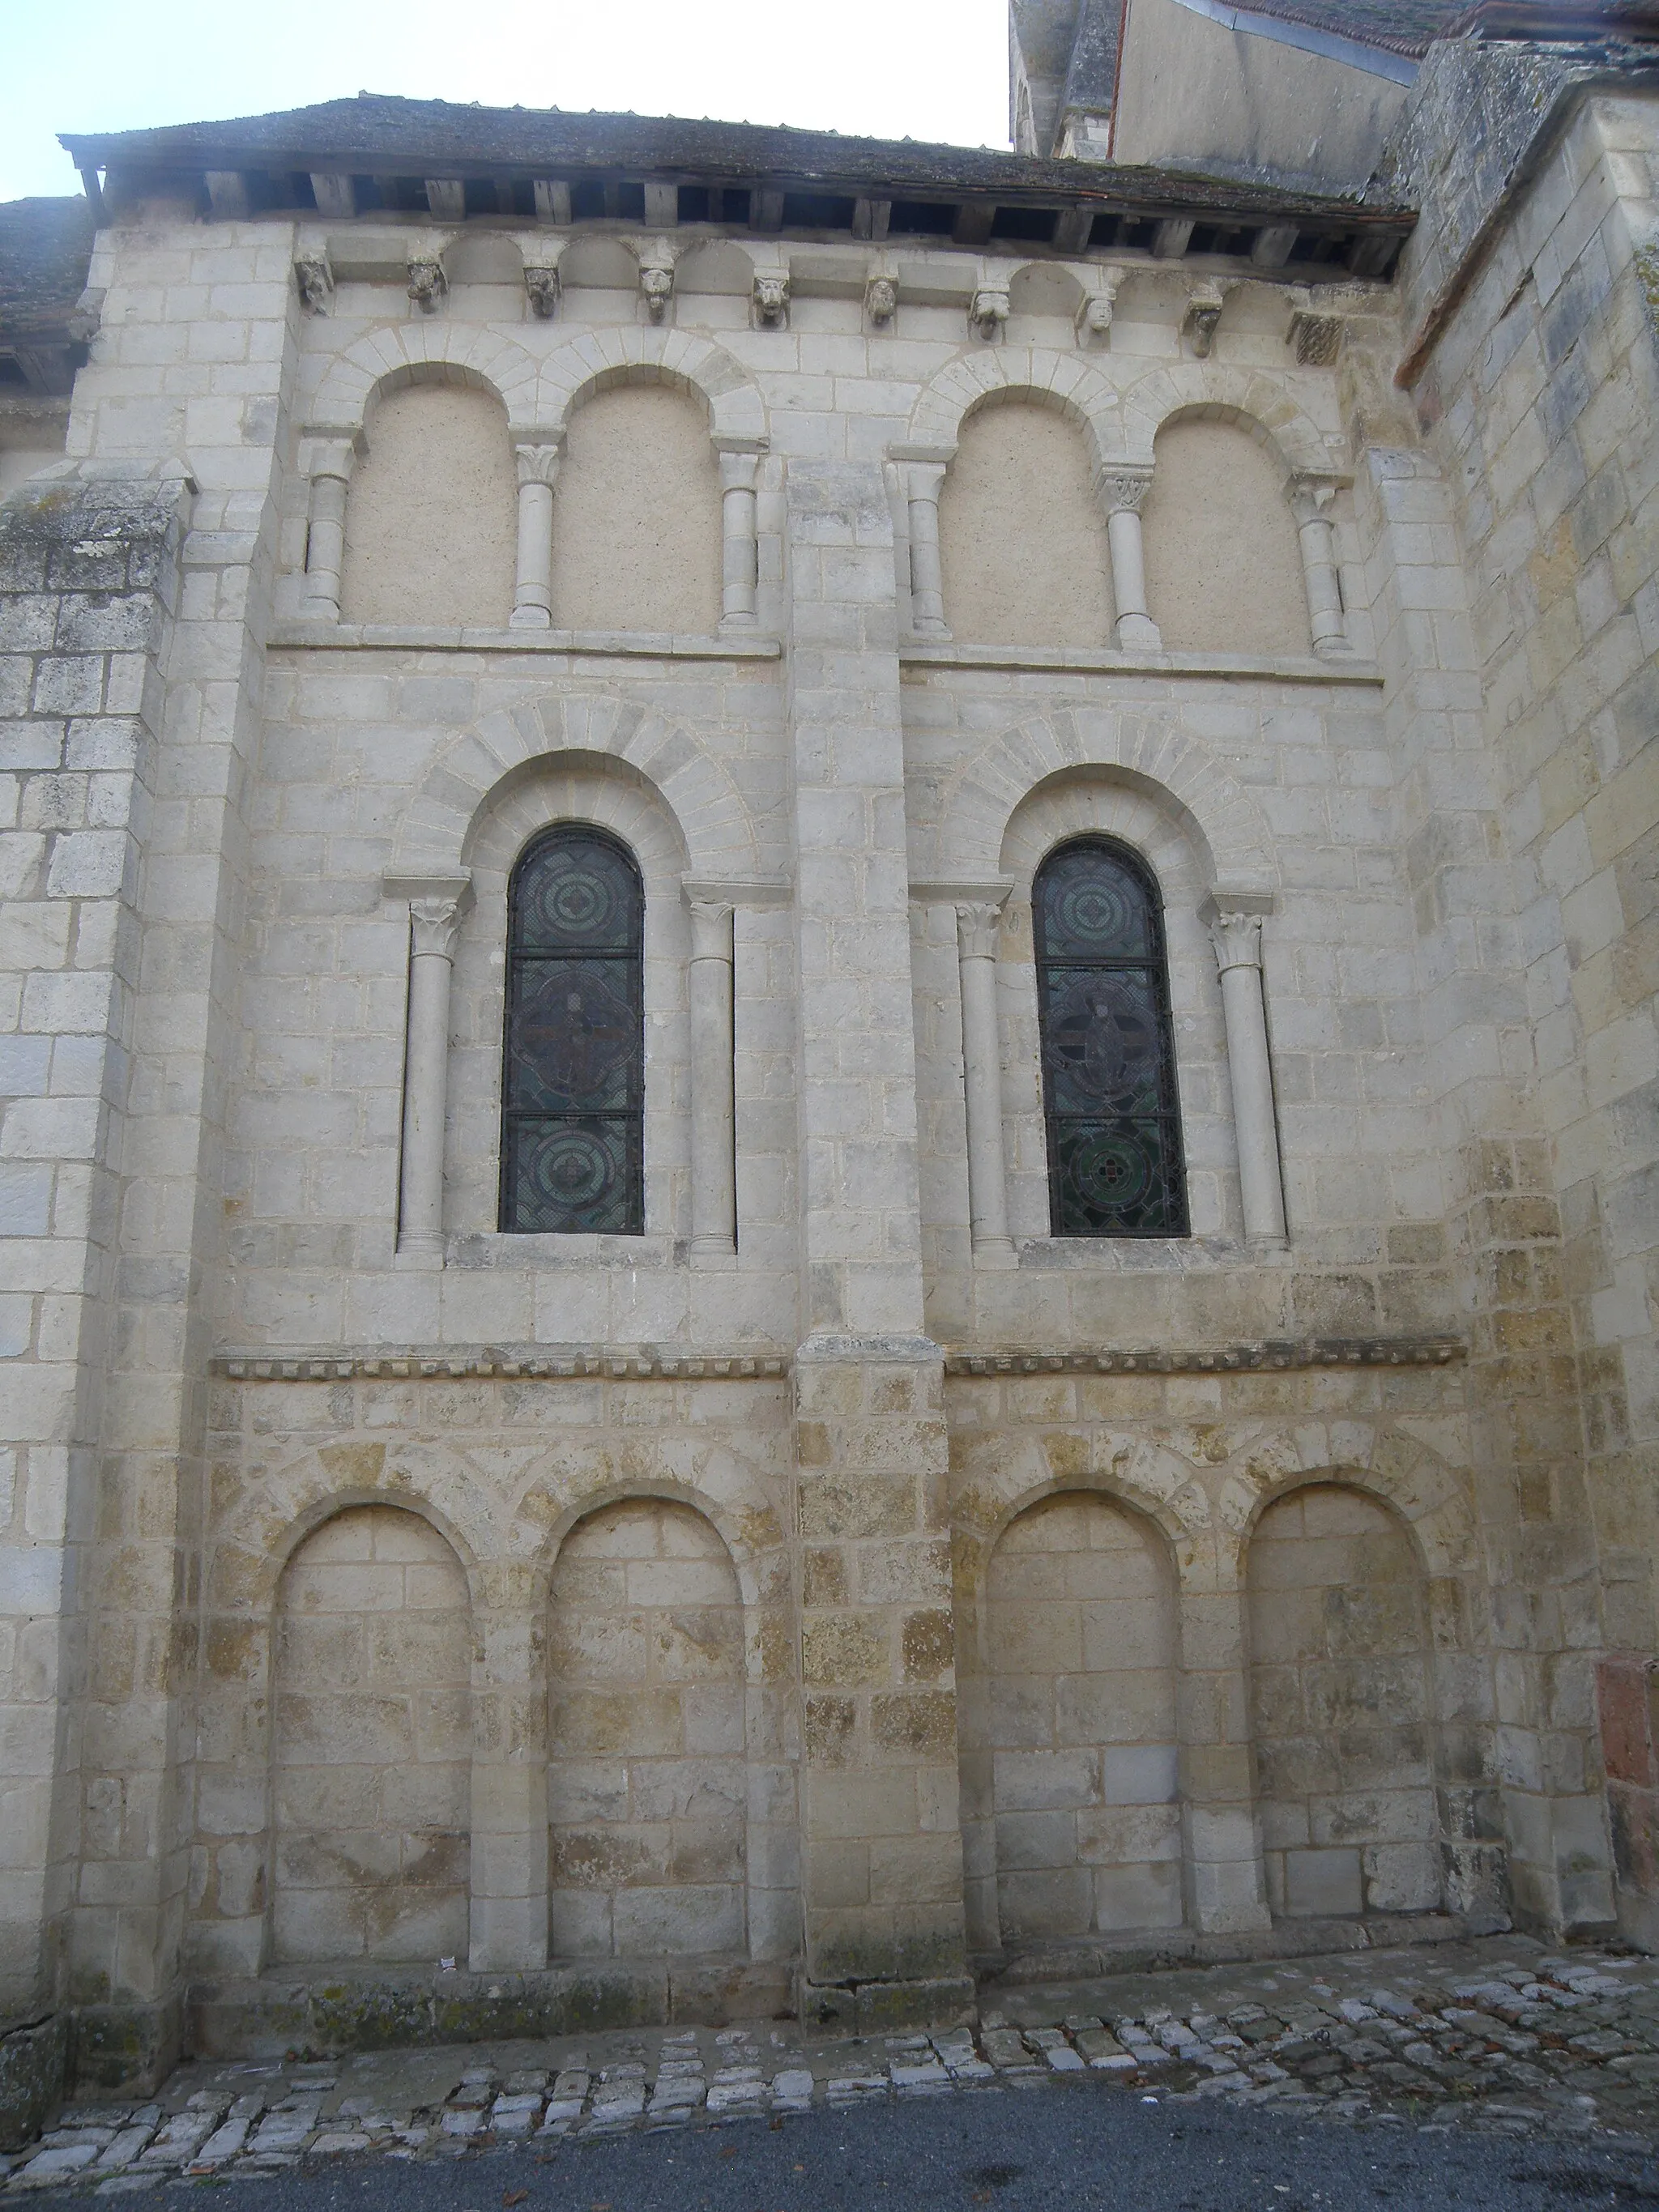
(1238, 940)
(714, 1162)
(434, 926)
(740, 570)
(981, 1063)
(926, 575)
(325, 542)
(1310, 501)
(1123, 492)
(533, 588)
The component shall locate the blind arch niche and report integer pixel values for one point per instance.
(573, 1074)
(1111, 1108)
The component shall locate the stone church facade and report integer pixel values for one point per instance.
(827, 1042)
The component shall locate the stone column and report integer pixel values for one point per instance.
(977, 924)
(882, 1883)
(714, 1160)
(532, 587)
(740, 567)
(1310, 498)
(926, 576)
(330, 478)
(1123, 494)
(1236, 937)
(435, 918)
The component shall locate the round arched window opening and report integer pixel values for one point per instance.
(573, 1079)
(1111, 1102)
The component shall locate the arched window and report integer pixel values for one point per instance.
(572, 1080)
(1109, 1076)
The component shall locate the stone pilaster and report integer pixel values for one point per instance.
(881, 1853)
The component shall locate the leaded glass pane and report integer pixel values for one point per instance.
(1115, 1164)
(572, 1089)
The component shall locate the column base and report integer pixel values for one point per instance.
(706, 1251)
(935, 633)
(1138, 634)
(739, 622)
(995, 1252)
(319, 610)
(418, 1250)
(531, 617)
(1333, 647)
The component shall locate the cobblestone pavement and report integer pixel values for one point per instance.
(1498, 2035)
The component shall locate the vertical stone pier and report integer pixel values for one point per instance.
(885, 1936)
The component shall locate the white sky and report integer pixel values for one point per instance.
(924, 69)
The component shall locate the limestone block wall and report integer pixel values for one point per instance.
(1538, 391)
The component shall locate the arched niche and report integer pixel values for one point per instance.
(1341, 1707)
(636, 518)
(1043, 300)
(1023, 540)
(1068, 1724)
(371, 1744)
(432, 514)
(485, 273)
(1224, 568)
(717, 267)
(647, 1788)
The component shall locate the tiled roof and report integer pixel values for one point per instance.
(377, 134)
(44, 246)
(1401, 27)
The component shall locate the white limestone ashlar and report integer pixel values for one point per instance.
(436, 906)
(713, 1159)
(979, 920)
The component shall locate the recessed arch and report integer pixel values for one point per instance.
(433, 350)
(1249, 398)
(1067, 382)
(599, 359)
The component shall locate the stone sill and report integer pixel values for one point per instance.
(644, 644)
(1083, 661)
(1270, 1356)
(494, 1248)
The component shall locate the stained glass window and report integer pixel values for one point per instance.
(572, 1084)
(1109, 1076)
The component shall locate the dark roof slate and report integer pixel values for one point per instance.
(381, 134)
(45, 247)
(1400, 27)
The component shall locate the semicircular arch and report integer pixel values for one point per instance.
(1256, 403)
(1424, 1492)
(417, 353)
(599, 360)
(1000, 375)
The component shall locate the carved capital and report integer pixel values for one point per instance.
(881, 298)
(1123, 489)
(333, 457)
(711, 929)
(770, 299)
(536, 462)
(1237, 939)
(1315, 338)
(926, 478)
(541, 283)
(978, 923)
(987, 317)
(426, 284)
(315, 279)
(434, 926)
(1311, 498)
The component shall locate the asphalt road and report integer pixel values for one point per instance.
(1085, 2149)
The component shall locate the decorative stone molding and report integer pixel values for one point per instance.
(987, 313)
(1204, 307)
(1097, 308)
(657, 280)
(770, 299)
(1275, 1354)
(427, 285)
(542, 284)
(1123, 489)
(505, 1364)
(315, 279)
(1315, 336)
(881, 300)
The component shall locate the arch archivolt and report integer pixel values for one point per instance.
(996, 375)
(436, 352)
(473, 770)
(965, 824)
(1257, 403)
(1430, 1496)
(600, 359)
